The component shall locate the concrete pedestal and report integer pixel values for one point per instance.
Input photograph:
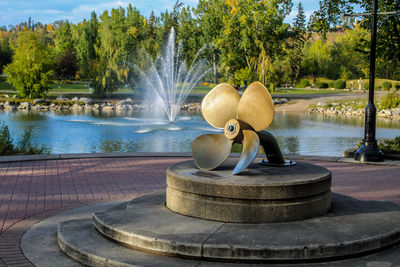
(258, 195)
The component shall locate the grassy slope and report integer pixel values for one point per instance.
(83, 88)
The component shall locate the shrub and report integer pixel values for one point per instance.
(303, 83)
(339, 84)
(24, 146)
(330, 85)
(387, 85)
(244, 74)
(271, 88)
(345, 74)
(397, 86)
(390, 146)
(6, 145)
(321, 85)
(390, 100)
(366, 86)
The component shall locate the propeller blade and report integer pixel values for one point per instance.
(220, 105)
(251, 144)
(211, 150)
(256, 107)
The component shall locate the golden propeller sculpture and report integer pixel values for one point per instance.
(243, 120)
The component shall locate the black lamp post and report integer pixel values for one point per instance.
(369, 150)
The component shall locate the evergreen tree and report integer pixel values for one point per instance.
(85, 36)
(65, 53)
(297, 44)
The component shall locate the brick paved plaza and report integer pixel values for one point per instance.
(31, 191)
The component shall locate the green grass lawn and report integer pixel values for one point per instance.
(70, 87)
(5, 86)
(289, 91)
(60, 88)
(378, 82)
(84, 88)
(285, 91)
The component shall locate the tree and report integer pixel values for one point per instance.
(349, 54)
(66, 66)
(120, 35)
(66, 62)
(85, 36)
(296, 44)
(5, 53)
(189, 35)
(249, 27)
(388, 29)
(63, 41)
(317, 58)
(31, 69)
(210, 19)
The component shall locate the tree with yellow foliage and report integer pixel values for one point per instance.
(31, 69)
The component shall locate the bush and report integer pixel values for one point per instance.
(339, 84)
(387, 85)
(390, 100)
(366, 86)
(397, 86)
(330, 85)
(303, 83)
(6, 145)
(24, 146)
(271, 88)
(321, 85)
(244, 74)
(345, 74)
(390, 146)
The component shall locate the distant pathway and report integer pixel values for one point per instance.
(301, 105)
(32, 191)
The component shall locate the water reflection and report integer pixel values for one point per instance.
(292, 144)
(127, 131)
(117, 145)
(28, 116)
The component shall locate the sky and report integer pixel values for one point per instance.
(45, 11)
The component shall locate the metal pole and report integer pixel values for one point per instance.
(369, 150)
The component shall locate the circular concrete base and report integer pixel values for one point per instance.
(260, 194)
(352, 227)
(89, 247)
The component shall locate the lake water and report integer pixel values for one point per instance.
(67, 132)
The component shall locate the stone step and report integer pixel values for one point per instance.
(352, 227)
(79, 240)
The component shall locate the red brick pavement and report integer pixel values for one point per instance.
(32, 191)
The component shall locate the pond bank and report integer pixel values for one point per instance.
(318, 105)
(87, 104)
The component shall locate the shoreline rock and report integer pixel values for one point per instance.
(333, 109)
(86, 104)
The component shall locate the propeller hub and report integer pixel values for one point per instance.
(232, 129)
